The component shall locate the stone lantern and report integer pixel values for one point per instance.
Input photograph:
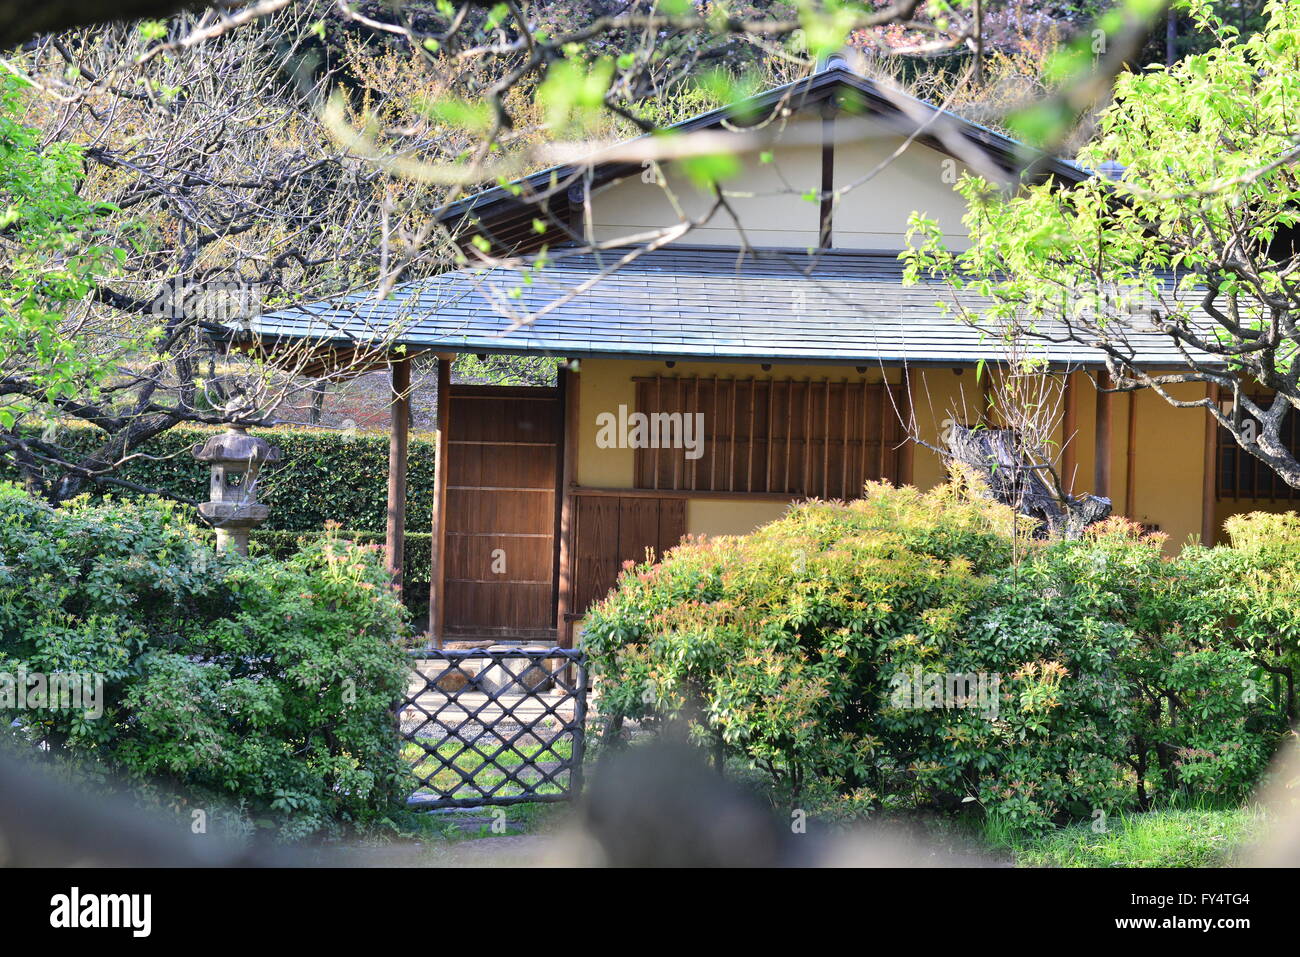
(236, 458)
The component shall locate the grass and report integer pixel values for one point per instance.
(444, 779)
(1161, 838)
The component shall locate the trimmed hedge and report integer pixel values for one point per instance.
(326, 476)
(283, 545)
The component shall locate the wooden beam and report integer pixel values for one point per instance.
(694, 480)
(1209, 485)
(844, 443)
(805, 485)
(571, 385)
(1069, 434)
(678, 406)
(886, 411)
(864, 469)
(398, 443)
(769, 455)
(438, 540)
(749, 437)
(1101, 462)
(1130, 460)
(789, 431)
(826, 212)
(659, 404)
(665, 493)
(826, 441)
(716, 395)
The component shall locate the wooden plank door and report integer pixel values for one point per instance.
(610, 530)
(502, 474)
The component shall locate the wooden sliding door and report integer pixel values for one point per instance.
(502, 461)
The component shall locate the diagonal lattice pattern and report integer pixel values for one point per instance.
(494, 726)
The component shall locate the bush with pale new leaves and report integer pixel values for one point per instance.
(907, 650)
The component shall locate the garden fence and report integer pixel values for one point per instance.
(495, 726)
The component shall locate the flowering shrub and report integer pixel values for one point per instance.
(907, 650)
(260, 682)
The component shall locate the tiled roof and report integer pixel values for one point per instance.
(683, 303)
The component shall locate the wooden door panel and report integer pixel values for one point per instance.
(610, 530)
(503, 420)
(638, 529)
(672, 524)
(595, 548)
(501, 497)
(492, 605)
(500, 558)
(512, 511)
(527, 466)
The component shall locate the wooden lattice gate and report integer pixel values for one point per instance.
(494, 726)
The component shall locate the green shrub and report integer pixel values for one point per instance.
(811, 647)
(264, 683)
(326, 476)
(1255, 588)
(1165, 694)
(282, 544)
(777, 639)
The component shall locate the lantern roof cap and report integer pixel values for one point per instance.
(235, 445)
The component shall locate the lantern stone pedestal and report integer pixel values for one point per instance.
(236, 458)
(233, 523)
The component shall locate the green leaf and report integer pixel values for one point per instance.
(707, 171)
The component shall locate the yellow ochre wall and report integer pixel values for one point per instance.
(1168, 465)
(770, 199)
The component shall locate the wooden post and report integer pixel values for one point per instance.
(1069, 428)
(1209, 485)
(570, 384)
(438, 541)
(1130, 460)
(827, 209)
(398, 443)
(1101, 464)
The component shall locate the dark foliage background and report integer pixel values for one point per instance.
(324, 476)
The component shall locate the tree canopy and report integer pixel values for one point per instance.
(236, 158)
(1191, 236)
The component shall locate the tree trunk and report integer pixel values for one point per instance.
(995, 456)
(1171, 37)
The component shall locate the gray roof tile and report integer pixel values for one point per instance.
(685, 302)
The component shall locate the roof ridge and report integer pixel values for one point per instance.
(837, 72)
